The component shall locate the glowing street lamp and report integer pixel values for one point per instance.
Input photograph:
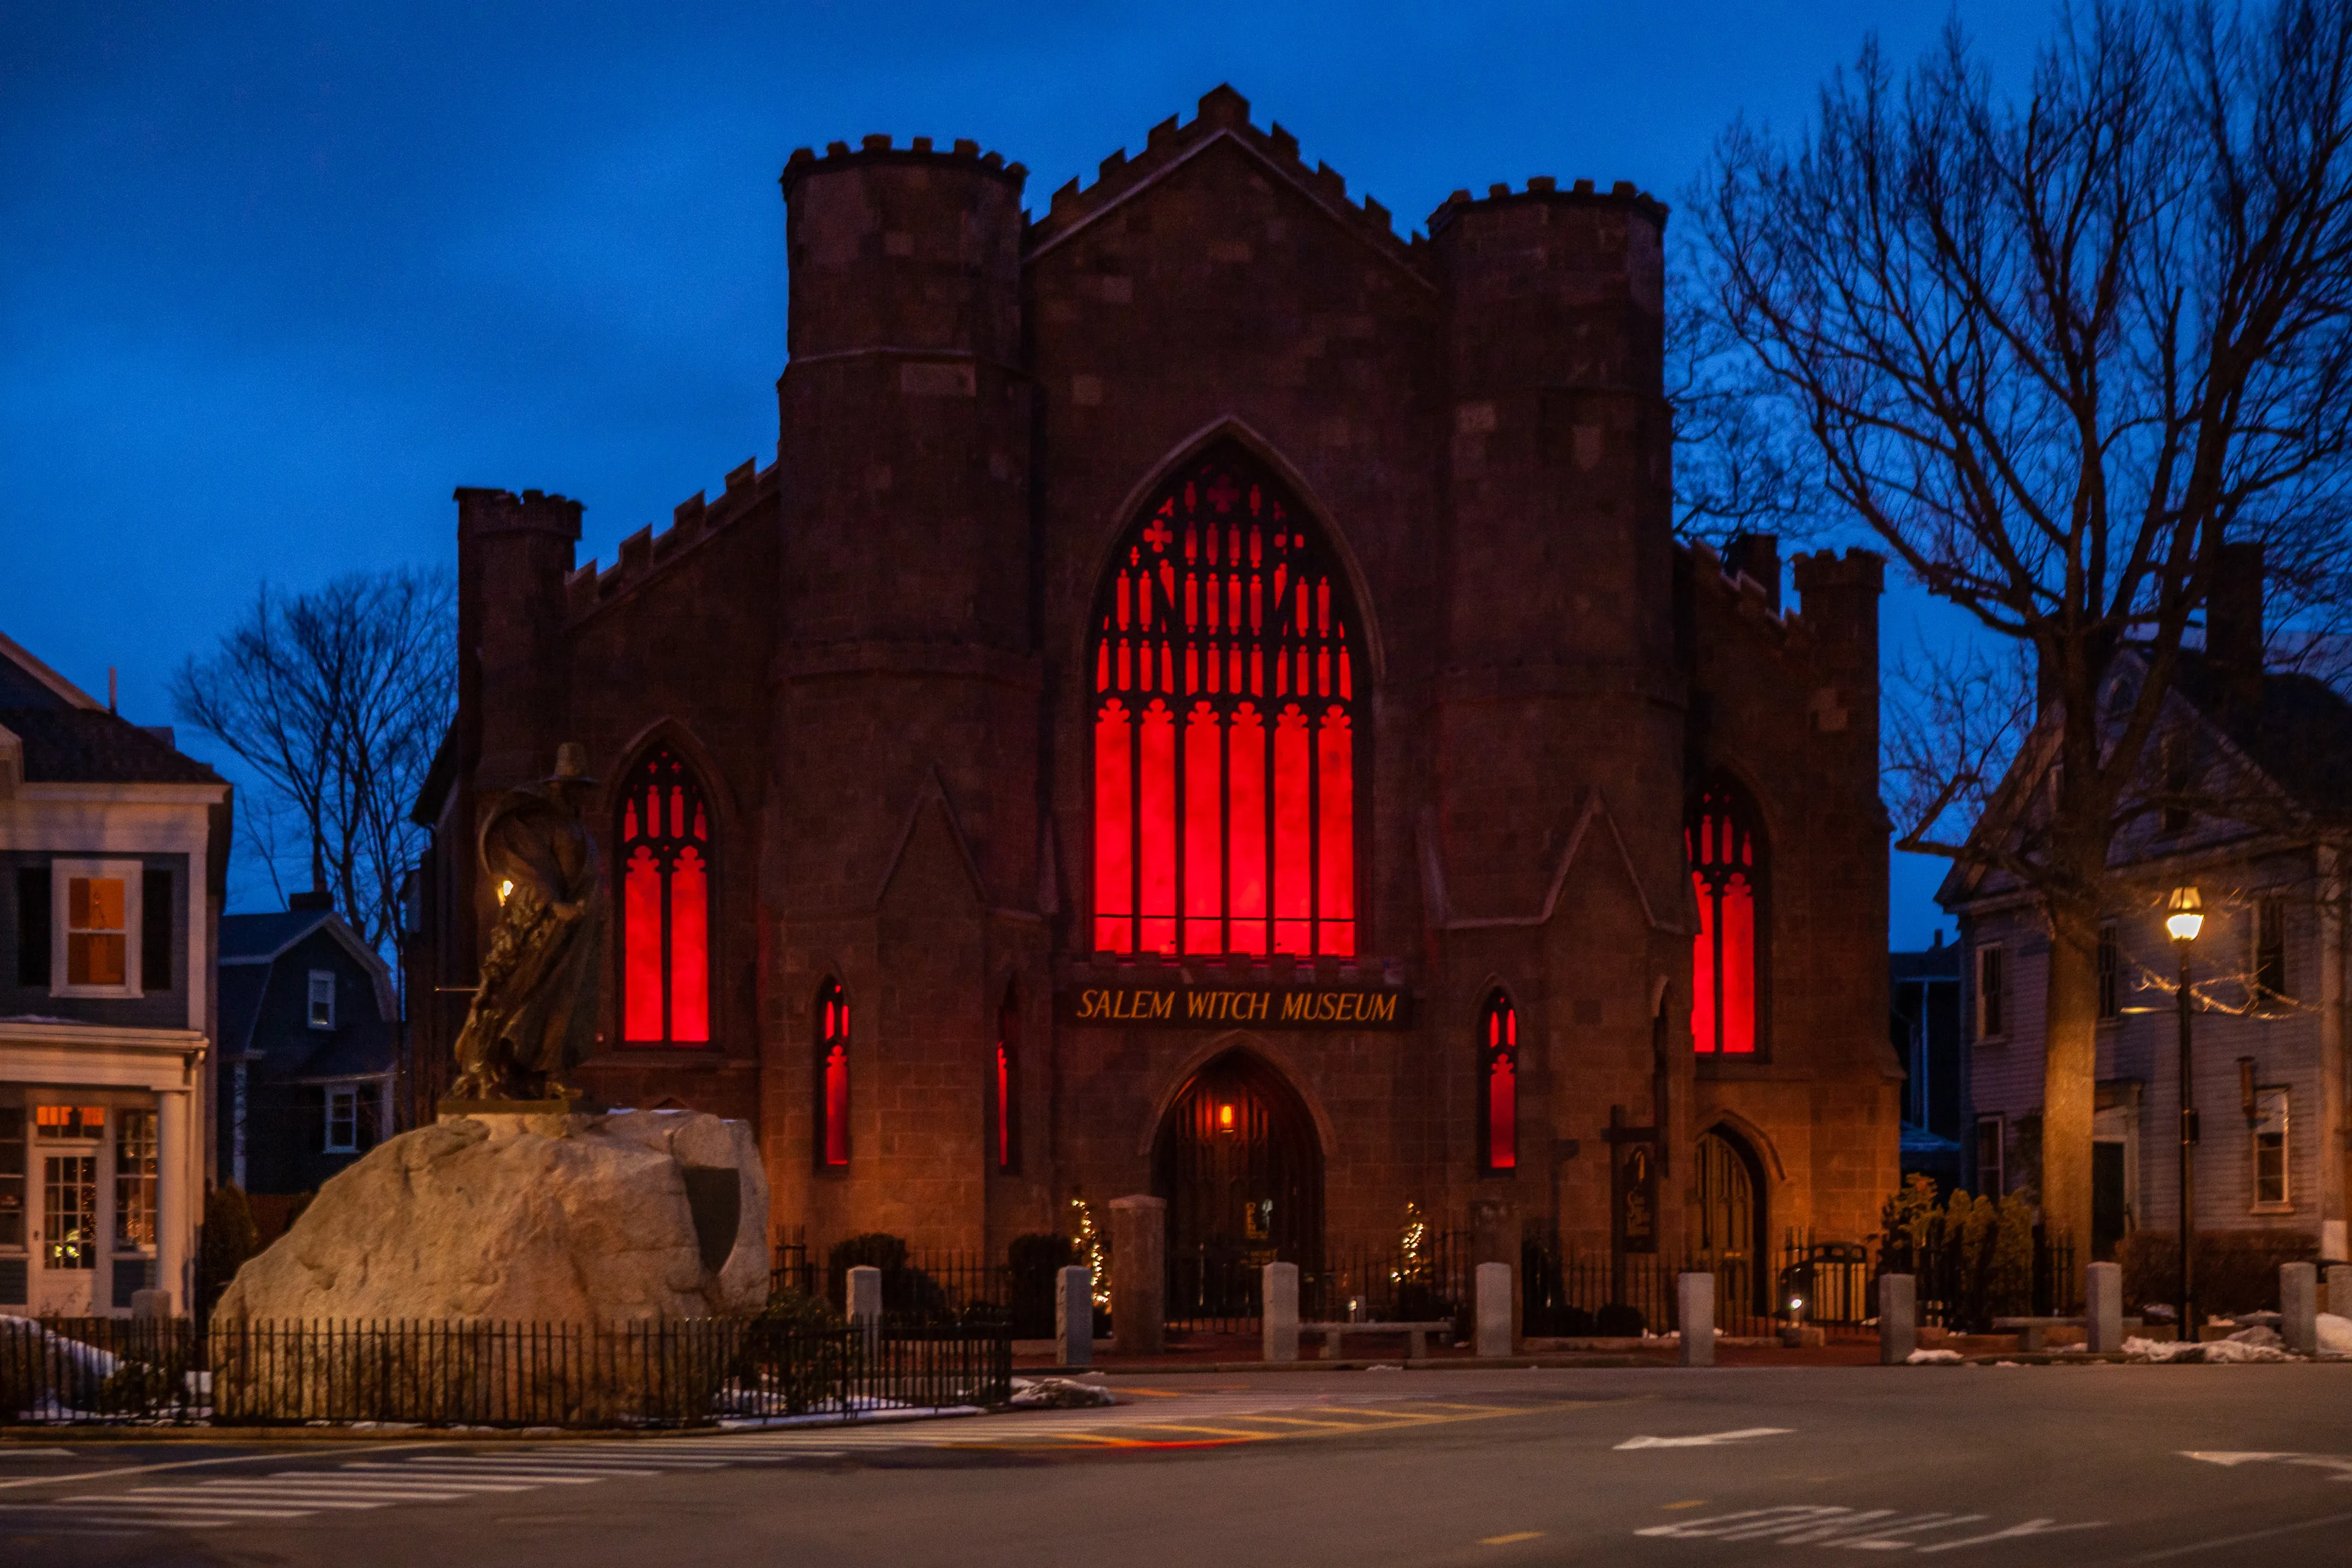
(2184, 919)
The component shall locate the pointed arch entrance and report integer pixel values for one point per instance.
(1239, 1163)
(1728, 1236)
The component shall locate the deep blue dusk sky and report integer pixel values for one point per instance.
(274, 278)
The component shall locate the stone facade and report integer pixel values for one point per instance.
(875, 654)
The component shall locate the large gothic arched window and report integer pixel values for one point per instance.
(1225, 719)
(1498, 1084)
(1729, 873)
(665, 905)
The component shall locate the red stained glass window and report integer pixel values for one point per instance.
(832, 1141)
(1225, 722)
(1730, 876)
(1498, 1084)
(665, 904)
(1005, 1129)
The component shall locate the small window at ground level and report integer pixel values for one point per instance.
(1990, 1137)
(342, 1119)
(134, 1180)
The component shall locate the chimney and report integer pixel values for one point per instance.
(1756, 556)
(316, 899)
(2234, 620)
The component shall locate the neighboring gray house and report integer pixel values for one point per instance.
(309, 1044)
(2250, 791)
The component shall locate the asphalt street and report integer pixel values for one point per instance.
(1652, 1468)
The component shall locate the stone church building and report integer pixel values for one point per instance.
(1207, 700)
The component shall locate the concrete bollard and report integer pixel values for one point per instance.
(1074, 1316)
(1493, 1337)
(1138, 1274)
(2299, 1307)
(151, 1303)
(1694, 1304)
(2103, 1307)
(866, 1301)
(1278, 1318)
(1898, 1318)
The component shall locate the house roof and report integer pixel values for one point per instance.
(2299, 733)
(1939, 963)
(84, 745)
(252, 944)
(365, 1049)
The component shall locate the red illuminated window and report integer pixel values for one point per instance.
(1225, 723)
(665, 905)
(1498, 1084)
(1005, 1130)
(832, 1142)
(1728, 873)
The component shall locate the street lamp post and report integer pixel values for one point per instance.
(2184, 919)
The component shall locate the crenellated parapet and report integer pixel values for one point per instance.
(645, 553)
(1224, 114)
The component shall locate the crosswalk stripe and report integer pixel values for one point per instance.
(306, 1489)
(225, 1509)
(480, 1480)
(309, 1502)
(521, 1467)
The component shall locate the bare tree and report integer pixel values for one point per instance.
(336, 698)
(2053, 351)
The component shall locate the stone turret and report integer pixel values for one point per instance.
(514, 554)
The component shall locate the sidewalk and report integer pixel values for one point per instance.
(1241, 1353)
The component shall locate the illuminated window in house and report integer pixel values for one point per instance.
(1006, 1130)
(134, 1181)
(665, 905)
(831, 1141)
(2269, 1133)
(98, 908)
(1498, 1084)
(1728, 870)
(1225, 722)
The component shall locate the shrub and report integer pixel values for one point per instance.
(1035, 1263)
(907, 1290)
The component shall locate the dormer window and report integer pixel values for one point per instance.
(323, 998)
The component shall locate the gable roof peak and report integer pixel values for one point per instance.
(1222, 114)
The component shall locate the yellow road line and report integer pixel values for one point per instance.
(1211, 1431)
(1514, 1536)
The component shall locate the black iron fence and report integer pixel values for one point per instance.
(1969, 1275)
(655, 1373)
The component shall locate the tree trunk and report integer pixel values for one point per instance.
(2070, 1080)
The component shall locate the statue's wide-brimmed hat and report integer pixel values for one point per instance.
(571, 765)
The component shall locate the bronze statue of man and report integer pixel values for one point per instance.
(535, 1013)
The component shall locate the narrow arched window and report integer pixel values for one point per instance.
(665, 837)
(1498, 1084)
(1225, 722)
(1005, 1130)
(1730, 875)
(831, 1141)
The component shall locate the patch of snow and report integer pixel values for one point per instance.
(2261, 1334)
(1932, 1358)
(2237, 1349)
(1058, 1393)
(2335, 1333)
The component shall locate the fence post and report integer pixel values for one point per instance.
(1694, 1301)
(2299, 1307)
(866, 1302)
(2103, 1307)
(1074, 1316)
(1494, 1309)
(1138, 1274)
(1278, 1314)
(1898, 1318)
